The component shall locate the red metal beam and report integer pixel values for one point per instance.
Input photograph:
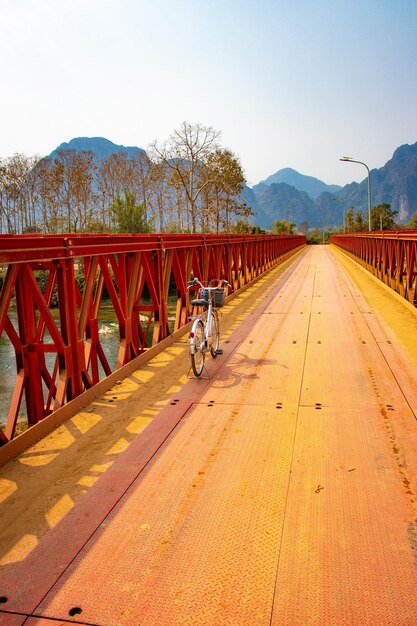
(59, 353)
(390, 255)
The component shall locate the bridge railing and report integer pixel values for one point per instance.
(54, 289)
(389, 255)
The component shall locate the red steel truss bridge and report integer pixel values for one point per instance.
(278, 488)
(135, 273)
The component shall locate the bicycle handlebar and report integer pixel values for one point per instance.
(196, 281)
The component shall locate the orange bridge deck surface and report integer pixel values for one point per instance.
(281, 490)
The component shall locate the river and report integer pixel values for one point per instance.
(109, 337)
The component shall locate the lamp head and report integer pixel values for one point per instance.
(345, 158)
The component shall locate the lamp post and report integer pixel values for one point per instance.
(350, 160)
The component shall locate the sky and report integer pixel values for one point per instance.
(288, 83)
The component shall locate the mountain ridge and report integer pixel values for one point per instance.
(289, 195)
(313, 186)
(99, 146)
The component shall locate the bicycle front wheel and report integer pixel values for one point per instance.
(199, 349)
(215, 334)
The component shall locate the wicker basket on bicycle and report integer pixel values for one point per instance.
(217, 296)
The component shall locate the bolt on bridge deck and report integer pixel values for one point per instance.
(279, 491)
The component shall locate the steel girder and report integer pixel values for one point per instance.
(389, 255)
(59, 351)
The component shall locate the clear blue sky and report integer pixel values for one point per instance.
(289, 83)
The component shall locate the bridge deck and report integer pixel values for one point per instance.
(280, 491)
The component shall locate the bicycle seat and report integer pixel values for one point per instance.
(199, 302)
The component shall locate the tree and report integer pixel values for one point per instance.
(303, 228)
(186, 153)
(18, 195)
(65, 185)
(130, 216)
(413, 221)
(283, 227)
(143, 166)
(360, 224)
(49, 176)
(315, 237)
(382, 217)
(257, 230)
(225, 180)
(114, 176)
(354, 221)
(350, 220)
(163, 193)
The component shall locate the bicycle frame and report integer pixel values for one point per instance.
(201, 334)
(207, 319)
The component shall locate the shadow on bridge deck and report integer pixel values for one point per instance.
(281, 491)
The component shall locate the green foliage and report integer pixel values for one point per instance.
(31, 229)
(413, 221)
(281, 227)
(354, 221)
(42, 276)
(257, 230)
(315, 237)
(360, 224)
(42, 280)
(224, 183)
(382, 217)
(243, 227)
(130, 217)
(96, 226)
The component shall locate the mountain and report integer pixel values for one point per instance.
(289, 195)
(395, 183)
(99, 146)
(279, 201)
(313, 186)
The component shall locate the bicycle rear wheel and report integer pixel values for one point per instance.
(215, 334)
(199, 352)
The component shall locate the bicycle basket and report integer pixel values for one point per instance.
(217, 297)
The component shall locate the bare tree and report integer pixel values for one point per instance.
(189, 184)
(81, 179)
(17, 194)
(64, 191)
(143, 181)
(186, 153)
(6, 198)
(117, 174)
(49, 181)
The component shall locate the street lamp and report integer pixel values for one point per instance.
(350, 160)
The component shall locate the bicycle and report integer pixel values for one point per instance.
(205, 332)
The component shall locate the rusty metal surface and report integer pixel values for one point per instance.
(8, 619)
(347, 548)
(200, 529)
(287, 493)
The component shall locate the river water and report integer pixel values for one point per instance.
(109, 338)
